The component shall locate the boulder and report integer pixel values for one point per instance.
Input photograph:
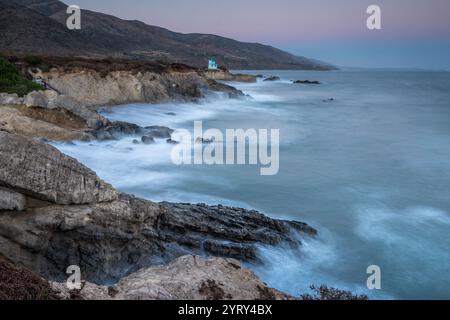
(186, 278)
(159, 132)
(11, 200)
(274, 78)
(44, 99)
(307, 82)
(170, 141)
(147, 140)
(41, 171)
(10, 99)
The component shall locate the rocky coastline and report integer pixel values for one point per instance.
(55, 212)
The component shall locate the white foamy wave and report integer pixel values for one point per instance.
(318, 261)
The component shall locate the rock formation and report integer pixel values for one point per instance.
(186, 278)
(225, 75)
(57, 213)
(274, 78)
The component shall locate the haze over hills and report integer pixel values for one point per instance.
(39, 27)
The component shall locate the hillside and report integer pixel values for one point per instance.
(38, 27)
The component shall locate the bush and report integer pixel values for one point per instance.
(21, 284)
(12, 82)
(33, 61)
(325, 293)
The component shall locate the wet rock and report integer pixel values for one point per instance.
(74, 218)
(170, 141)
(11, 200)
(171, 113)
(203, 140)
(103, 135)
(274, 78)
(225, 75)
(307, 82)
(158, 132)
(328, 100)
(147, 140)
(135, 141)
(41, 171)
(117, 128)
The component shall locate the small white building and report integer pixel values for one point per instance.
(212, 64)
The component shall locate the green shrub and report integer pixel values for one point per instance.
(33, 61)
(12, 82)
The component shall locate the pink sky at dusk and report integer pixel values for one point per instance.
(291, 23)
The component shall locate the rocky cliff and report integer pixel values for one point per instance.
(55, 212)
(75, 87)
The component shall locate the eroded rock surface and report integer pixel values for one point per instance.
(74, 218)
(11, 200)
(41, 171)
(186, 278)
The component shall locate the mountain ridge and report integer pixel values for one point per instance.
(38, 27)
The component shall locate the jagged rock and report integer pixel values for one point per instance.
(55, 124)
(50, 99)
(203, 140)
(41, 171)
(112, 236)
(44, 99)
(170, 141)
(113, 239)
(159, 132)
(225, 75)
(306, 82)
(116, 128)
(92, 88)
(11, 200)
(147, 140)
(274, 78)
(10, 99)
(186, 278)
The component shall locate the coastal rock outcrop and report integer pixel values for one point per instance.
(306, 82)
(10, 99)
(56, 124)
(41, 171)
(91, 88)
(11, 200)
(225, 75)
(74, 218)
(186, 278)
(274, 78)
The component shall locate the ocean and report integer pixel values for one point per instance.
(364, 159)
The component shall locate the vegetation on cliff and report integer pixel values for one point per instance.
(11, 81)
(21, 284)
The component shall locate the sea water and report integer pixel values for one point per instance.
(369, 169)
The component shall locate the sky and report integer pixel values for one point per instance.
(414, 34)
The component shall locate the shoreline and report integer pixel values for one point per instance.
(179, 229)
